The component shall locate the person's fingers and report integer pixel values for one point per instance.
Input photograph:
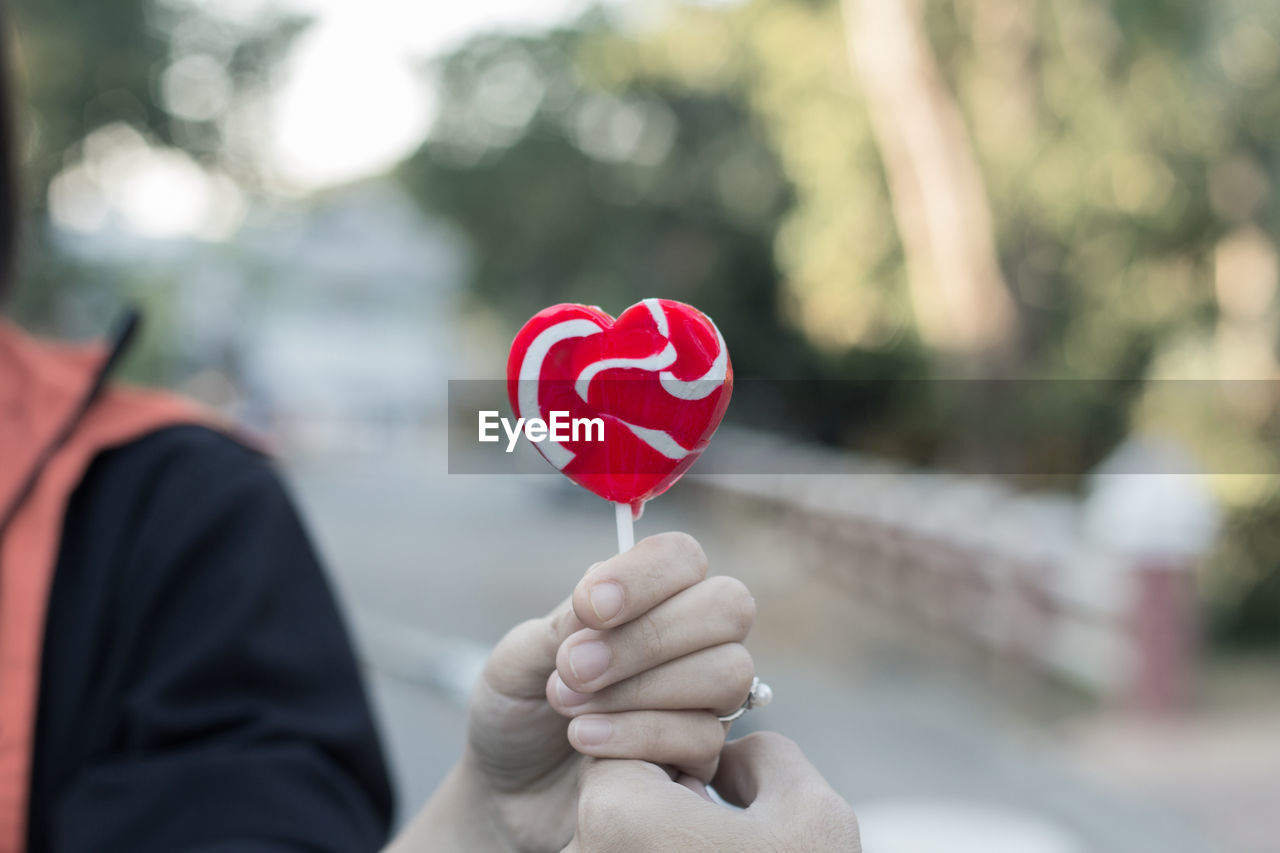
(629, 798)
(617, 800)
(715, 679)
(689, 741)
(623, 587)
(694, 785)
(518, 665)
(633, 807)
(715, 611)
(625, 774)
(769, 775)
(765, 771)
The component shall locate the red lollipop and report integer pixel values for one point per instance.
(644, 392)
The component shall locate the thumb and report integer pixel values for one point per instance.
(523, 660)
(765, 771)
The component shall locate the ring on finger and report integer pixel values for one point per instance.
(758, 696)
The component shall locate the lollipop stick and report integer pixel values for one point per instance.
(626, 530)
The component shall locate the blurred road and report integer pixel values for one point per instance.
(434, 568)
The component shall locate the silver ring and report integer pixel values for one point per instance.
(758, 696)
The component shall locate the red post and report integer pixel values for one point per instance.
(1164, 635)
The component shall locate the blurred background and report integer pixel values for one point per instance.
(1047, 625)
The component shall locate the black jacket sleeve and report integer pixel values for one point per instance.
(198, 689)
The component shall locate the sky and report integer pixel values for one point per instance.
(327, 129)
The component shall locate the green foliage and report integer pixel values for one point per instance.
(82, 66)
(1243, 581)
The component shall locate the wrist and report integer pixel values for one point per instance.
(462, 814)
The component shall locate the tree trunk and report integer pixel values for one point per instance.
(961, 302)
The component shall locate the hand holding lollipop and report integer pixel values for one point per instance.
(645, 660)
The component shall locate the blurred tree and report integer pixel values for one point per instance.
(1243, 581)
(959, 297)
(178, 72)
(572, 190)
(143, 63)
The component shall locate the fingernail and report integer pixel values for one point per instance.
(606, 600)
(570, 698)
(592, 731)
(589, 660)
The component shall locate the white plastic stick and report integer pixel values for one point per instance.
(626, 528)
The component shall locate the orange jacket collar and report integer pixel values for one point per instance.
(43, 387)
(56, 415)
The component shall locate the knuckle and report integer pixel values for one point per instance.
(551, 630)
(648, 633)
(683, 550)
(836, 819)
(773, 742)
(847, 828)
(601, 807)
(823, 800)
(741, 668)
(738, 603)
(519, 635)
(736, 668)
(710, 739)
(688, 739)
(645, 734)
(506, 653)
(630, 693)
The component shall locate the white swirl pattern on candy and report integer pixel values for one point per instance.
(658, 440)
(700, 388)
(663, 359)
(659, 316)
(531, 371)
(694, 389)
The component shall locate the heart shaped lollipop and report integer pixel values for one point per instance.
(658, 378)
